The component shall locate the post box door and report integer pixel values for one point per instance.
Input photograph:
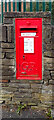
(29, 56)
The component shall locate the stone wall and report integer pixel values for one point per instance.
(33, 92)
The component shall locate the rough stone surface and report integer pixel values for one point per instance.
(27, 91)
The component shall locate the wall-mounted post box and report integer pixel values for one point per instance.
(28, 35)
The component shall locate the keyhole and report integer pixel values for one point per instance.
(23, 57)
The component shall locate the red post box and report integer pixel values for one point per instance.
(28, 35)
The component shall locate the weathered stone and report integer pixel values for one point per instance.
(47, 91)
(6, 95)
(8, 72)
(46, 78)
(48, 87)
(7, 62)
(0, 72)
(49, 54)
(7, 45)
(3, 81)
(22, 95)
(51, 82)
(7, 50)
(1, 101)
(25, 90)
(37, 90)
(19, 85)
(34, 107)
(45, 99)
(32, 104)
(4, 85)
(26, 100)
(49, 66)
(10, 67)
(4, 33)
(52, 73)
(47, 34)
(36, 14)
(2, 55)
(8, 21)
(12, 34)
(48, 60)
(36, 95)
(35, 86)
(9, 33)
(9, 55)
(8, 78)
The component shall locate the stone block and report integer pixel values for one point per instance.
(48, 66)
(47, 88)
(45, 99)
(22, 95)
(3, 81)
(7, 95)
(48, 60)
(8, 78)
(34, 107)
(4, 33)
(7, 45)
(12, 34)
(8, 20)
(20, 85)
(7, 62)
(7, 72)
(36, 95)
(9, 33)
(4, 85)
(49, 53)
(25, 90)
(10, 67)
(1, 101)
(35, 86)
(51, 82)
(31, 14)
(52, 74)
(2, 55)
(47, 33)
(7, 50)
(9, 55)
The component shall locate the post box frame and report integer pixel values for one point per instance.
(42, 50)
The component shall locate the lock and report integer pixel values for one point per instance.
(23, 57)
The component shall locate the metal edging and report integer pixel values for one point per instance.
(24, 6)
(41, 81)
(30, 5)
(9, 6)
(42, 51)
(5, 6)
(43, 3)
(37, 5)
(14, 47)
(17, 5)
(2, 11)
(13, 5)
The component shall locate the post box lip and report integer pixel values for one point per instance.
(28, 27)
(27, 18)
